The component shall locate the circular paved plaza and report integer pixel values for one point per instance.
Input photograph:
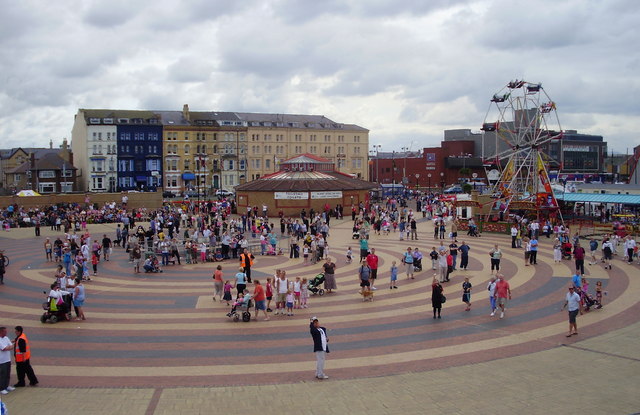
(164, 330)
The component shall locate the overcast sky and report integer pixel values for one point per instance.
(406, 70)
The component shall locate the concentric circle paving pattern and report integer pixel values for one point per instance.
(165, 329)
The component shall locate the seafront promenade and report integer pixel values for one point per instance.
(159, 344)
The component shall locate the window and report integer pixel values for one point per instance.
(186, 136)
(98, 183)
(267, 164)
(46, 174)
(153, 165)
(124, 182)
(187, 164)
(187, 149)
(67, 173)
(47, 187)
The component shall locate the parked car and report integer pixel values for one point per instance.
(191, 194)
(223, 193)
(453, 189)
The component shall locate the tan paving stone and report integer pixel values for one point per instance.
(561, 380)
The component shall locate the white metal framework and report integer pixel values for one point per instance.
(520, 119)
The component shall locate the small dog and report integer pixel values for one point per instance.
(367, 295)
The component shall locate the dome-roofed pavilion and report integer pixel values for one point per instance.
(303, 182)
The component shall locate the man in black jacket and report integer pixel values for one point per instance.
(320, 346)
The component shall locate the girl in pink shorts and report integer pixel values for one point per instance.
(297, 288)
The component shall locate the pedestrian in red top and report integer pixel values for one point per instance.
(372, 261)
(503, 291)
(449, 265)
(578, 255)
(260, 297)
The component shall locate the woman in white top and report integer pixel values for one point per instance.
(56, 294)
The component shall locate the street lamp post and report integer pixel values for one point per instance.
(371, 165)
(417, 177)
(377, 148)
(429, 182)
(442, 181)
(404, 168)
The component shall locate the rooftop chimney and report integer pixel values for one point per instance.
(185, 112)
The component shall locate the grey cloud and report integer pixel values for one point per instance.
(302, 11)
(110, 14)
(191, 69)
(436, 63)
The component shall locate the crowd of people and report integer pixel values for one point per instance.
(207, 232)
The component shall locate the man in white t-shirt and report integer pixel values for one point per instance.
(5, 362)
(574, 305)
(629, 245)
(282, 286)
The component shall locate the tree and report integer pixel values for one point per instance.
(465, 171)
(467, 188)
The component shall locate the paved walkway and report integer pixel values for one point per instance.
(158, 344)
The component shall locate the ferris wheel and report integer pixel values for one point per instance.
(517, 130)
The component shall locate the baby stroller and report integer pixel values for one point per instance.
(314, 285)
(54, 312)
(417, 264)
(355, 235)
(588, 301)
(240, 309)
(566, 250)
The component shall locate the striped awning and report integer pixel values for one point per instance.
(599, 198)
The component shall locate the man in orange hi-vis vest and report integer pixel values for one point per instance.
(22, 354)
(246, 261)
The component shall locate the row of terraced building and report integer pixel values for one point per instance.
(182, 151)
